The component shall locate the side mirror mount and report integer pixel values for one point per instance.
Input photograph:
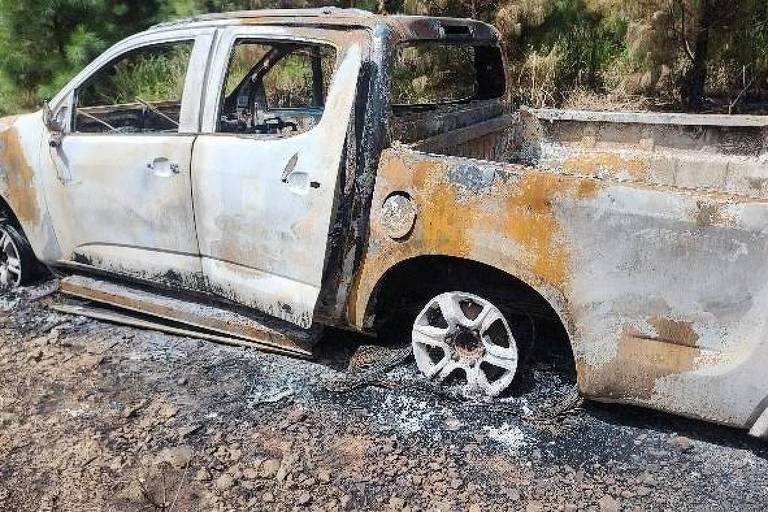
(54, 125)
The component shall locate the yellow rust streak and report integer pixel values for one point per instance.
(529, 220)
(18, 177)
(638, 364)
(510, 223)
(593, 164)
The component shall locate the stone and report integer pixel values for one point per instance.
(453, 424)
(225, 482)
(396, 503)
(296, 415)
(346, 502)
(178, 457)
(250, 474)
(167, 411)
(270, 468)
(304, 499)
(681, 444)
(608, 504)
(203, 475)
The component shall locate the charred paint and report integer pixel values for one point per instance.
(17, 175)
(676, 332)
(633, 372)
(611, 164)
(503, 216)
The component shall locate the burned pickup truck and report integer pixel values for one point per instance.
(255, 175)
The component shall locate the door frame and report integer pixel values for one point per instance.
(56, 173)
(286, 297)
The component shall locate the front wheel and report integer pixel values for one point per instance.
(462, 333)
(18, 265)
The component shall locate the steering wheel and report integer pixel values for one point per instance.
(276, 125)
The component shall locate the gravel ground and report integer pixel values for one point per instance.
(101, 417)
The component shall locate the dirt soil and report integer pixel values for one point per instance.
(101, 417)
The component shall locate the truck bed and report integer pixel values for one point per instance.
(721, 153)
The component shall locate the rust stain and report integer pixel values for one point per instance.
(18, 176)
(638, 364)
(709, 214)
(444, 226)
(518, 212)
(675, 332)
(592, 164)
(530, 220)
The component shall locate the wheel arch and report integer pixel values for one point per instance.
(7, 212)
(408, 276)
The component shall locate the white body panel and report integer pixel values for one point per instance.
(122, 202)
(263, 230)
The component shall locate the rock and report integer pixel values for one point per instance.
(324, 476)
(475, 508)
(296, 415)
(453, 424)
(534, 506)
(268, 497)
(167, 411)
(89, 361)
(250, 474)
(203, 475)
(190, 430)
(681, 444)
(608, 504)
(36, 356)
(396, 503)
(270, 468)
(235, 454)
(282, 472)
(116, 464)
(178, 457)
(346, 502)
(304, 499)
(225, 482)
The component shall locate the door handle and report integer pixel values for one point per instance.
(163, 168)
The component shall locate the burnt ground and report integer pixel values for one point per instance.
(101, 417)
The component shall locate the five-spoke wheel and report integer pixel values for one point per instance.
(18, 265)
(461, 332)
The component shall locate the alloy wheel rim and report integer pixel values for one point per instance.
(462, 333)
(10, 262)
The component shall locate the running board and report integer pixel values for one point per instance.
(203, 320)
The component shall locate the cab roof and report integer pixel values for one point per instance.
(406, 27)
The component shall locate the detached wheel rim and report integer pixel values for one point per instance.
(10, 261)
(461, 332)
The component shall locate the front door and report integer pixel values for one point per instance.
(122, 198)
(265, 176)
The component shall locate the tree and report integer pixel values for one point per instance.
(44, 42)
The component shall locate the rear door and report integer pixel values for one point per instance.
(265, 172)
(122, 199)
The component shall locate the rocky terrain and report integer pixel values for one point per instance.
(101, 417)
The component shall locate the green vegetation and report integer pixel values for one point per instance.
(433, 74)
(674, 54)
(155, 75)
